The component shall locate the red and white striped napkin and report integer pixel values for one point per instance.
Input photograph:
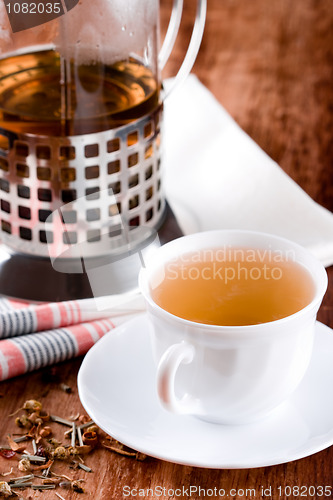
(35, 336)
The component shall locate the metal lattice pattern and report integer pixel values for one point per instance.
(40, 174)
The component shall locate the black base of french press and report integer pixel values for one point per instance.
(31, 278)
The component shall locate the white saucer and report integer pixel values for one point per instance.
(116, 387)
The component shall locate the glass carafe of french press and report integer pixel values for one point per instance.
(81, 134)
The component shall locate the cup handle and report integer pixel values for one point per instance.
(167, 369)
(194, 45)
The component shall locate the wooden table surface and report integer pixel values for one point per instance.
(269, 63)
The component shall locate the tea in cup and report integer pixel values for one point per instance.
(233, 316)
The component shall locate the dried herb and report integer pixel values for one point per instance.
(21, 485)
(84, 420)
(65, 484)
(33, 433)
(81, 450)
(77, 487)
(54, 442)
(84, 467)
(41, 452)
(92, 428)
(50, 481)
(46, 472)
(24, 465)
(15, 446)
(4, 474)
(120, 451)
(68, 434)
(127, 453)
(34, 458)
(86, 424)
(32, 405)
(43, 487)
(21, 439)
(5, 489)
(45, 432)
(84, 437)
(65, 388)
(73, 441)
(90, 438)
(21, 479)
(61, 476)
(60, 453)
(35, 419)
(44, 416)
(45, 466)
(7, 453)
(79, 435)
(59, 496)
(34, 446)
(60, 420)
(23, 422)
(74, 417)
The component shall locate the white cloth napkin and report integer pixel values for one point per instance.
(216, 177)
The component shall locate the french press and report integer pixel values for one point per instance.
(81, 138)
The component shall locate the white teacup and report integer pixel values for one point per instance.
(230, 374)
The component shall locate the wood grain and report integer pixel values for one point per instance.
(269, 63)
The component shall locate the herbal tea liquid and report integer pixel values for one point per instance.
(41, 93)
(235, 287)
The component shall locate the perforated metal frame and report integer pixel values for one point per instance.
(41, 174)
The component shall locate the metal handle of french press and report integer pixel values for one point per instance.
(194, 45)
